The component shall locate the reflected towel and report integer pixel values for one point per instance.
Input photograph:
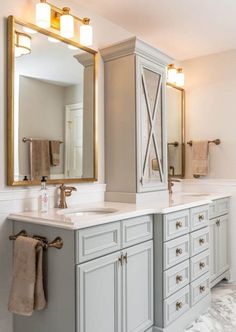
(39, 158)
(27, 293)
(55, 153)
(200, 158)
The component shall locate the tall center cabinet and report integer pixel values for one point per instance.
(135, 120)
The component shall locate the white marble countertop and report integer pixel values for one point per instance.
(56, 218)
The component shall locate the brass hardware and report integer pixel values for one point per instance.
(155, 166)
(215, 141)
(25, 139)
(121, 259)
(218, 222)
(179, 224)
(202, 265)
(201, 217)
(179, 251)
(202, 289)
(56, 243)
(65, 192)
(201, 241)
(175, 144)
(179, 305)
(179, 278)
(126, 258)
(171, 183)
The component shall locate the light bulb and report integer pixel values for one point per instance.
(180, 77)
(43, 14)
(172, 73)
(86, 35)
(53, 40)
(28, 30)
(66, 24)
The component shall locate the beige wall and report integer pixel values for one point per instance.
(211, 110)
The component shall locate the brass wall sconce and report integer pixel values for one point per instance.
(22, 44)
(175, 76)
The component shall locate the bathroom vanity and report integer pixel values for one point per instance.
(135, 268)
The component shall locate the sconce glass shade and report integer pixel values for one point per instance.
(86, 35)
(66, 24)
(43, 15)
(22, 44)
(172, 74)
(180, 77)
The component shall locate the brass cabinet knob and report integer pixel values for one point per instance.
(121, 259)
(179, 224)
(126, 258)
(201, 241)
(179, 251)
(179, 305)
(179, 278)
(202, 265)
(202, 289)
(201, 217)
(218, 222)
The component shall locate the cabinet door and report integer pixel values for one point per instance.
(222, 228)
(99, 295)
(151, 129)
(138, 288)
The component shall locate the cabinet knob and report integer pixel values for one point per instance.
(179, 251)
(179, 278)
(202, 265)
(179, 224)
(201, 241)
(126, 258)
(121, 259)
(202, 289)
(218, 222)
(179, 305)
(201, 217)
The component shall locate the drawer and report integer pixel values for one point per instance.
(136, 230)
(199, 217)
(175, 251)
(97, 241)
(176, 305)
(199, 288)
(219, 207)
(199, 241)
(176, 278)
(199, 265)
(175, 224)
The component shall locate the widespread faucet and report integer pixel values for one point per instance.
(65, 192)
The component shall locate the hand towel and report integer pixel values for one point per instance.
(39, 158)
(27, 293)
(200, 158)
(55, 153)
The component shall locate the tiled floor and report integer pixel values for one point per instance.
(221, 317)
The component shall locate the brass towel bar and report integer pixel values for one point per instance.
(25, 139)
(215, 141)
(56, 243)
(175, 144)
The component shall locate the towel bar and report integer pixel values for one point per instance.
(215, 141)
(25, 139)
(56, 243)
(175, 144)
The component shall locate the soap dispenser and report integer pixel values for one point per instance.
(43, 201)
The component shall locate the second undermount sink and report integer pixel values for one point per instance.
(80, 212)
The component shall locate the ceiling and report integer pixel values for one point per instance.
(182, 28)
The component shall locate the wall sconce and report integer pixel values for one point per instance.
(22, 44)
(50, 16)
(175, 76)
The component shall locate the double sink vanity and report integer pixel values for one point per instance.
(129, 267)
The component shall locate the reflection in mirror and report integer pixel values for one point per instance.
(53, 116)
(175, 111)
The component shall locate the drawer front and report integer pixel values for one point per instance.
(199, 217)
(219, 207)
(136, 230)
(176, 251)
(176, 305)
(199, 265)
(97, 241)
(199, 288)
(176, 278)
(176, 224)
(199, 241)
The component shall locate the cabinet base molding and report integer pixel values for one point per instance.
(225, 275)
(187, 318)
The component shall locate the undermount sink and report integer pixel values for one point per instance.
(85, 212)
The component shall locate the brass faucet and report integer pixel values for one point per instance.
(171, 183)
(65, 192)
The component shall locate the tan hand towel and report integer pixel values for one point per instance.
(55, 153)
(200, 158)
(27, 293)
(39, 158)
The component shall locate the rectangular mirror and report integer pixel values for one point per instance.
(175, 99)
(51, 107)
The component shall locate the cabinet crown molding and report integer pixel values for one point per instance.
(135, 46)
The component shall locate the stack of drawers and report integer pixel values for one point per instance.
(182, 265)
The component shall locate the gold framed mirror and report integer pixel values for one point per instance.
(51, 107)
(175, 98)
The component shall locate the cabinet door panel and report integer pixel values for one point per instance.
(138, 288)
(213, 249)
(99, 295)
(223, 244)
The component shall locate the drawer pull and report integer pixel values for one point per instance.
(201, 241)
(126, 258)
(179, 278)
(201, 217)
(179, 305)
(179, 224)
(179, 251)
(202, 265)
(202, 289)
(121, 259)
(218, 222)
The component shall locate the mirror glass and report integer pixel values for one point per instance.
(53, 110)
(175, 111)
